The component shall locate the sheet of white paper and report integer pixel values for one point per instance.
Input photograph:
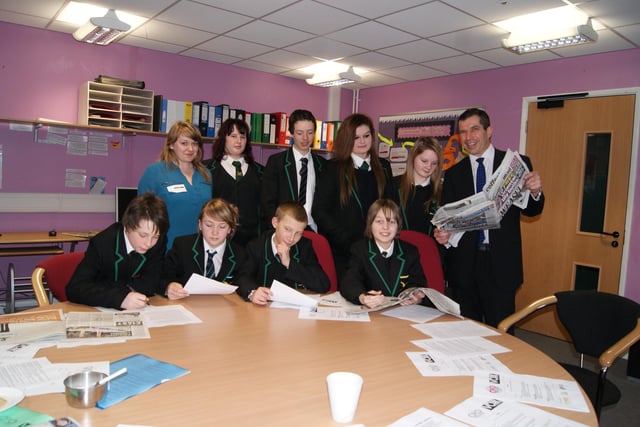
(327, 313)
(443, 302)
(284, 294)
(200, 285)
(39, 376)
(413, 313)
(168, 315)
(456, 329)
(93, 341)
(468, 346)
(530, 389)
(23, 351)
(437, 365)
(334, 299)
(487, 412)
(426, 418)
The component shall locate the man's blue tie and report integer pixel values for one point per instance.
(211, 268)
(481, 179)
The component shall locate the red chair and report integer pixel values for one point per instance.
(429, 257)
(56, 272)
(325, 257)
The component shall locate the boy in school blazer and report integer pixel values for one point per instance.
(282, 254)
(381, 264)
(121, 267)
(282, 181)
(217, 222)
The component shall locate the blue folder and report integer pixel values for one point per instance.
(143, 373)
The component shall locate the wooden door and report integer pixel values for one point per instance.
(582, 151)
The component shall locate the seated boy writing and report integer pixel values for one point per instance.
(210, 252)
(121, 267)
(282, 254)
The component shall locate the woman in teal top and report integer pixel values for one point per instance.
(180, 179)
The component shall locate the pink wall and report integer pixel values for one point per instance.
(41, 71)
(501, 91)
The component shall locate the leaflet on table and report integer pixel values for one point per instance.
(200, 285)
(281, 293)
(424, 417)
(46, 325)
(438, 365)
(91, 325)
(484, 210)
(466, 346)
(456, 329)
(332, 313)
(542, 391)
(39, 376)
(415, 313)
(491, 412)
(441, 301)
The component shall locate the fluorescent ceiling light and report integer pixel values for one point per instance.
(102, 30)
(334, 79)
(548, 29)
(81, 14)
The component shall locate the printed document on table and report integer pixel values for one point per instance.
(457, 329)
(437, 365)
(414, 313)
(330, 313)
(87, 325)
(467, 346)
(200, 285)
(39, 376)
(541, 391)
(424, 417)
(156, 316)
(282, 293)
(487, 412)
(46, 325)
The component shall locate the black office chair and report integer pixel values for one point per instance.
(601, 325)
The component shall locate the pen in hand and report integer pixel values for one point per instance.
(146, 300)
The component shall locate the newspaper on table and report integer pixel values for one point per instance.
(484, 210)
(30, 326)
(123, 324)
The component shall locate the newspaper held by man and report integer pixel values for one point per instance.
(484, 210)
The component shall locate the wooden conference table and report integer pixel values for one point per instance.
(256, 366)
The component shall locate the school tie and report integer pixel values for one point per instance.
(364, 166)
(238, 166)
(481, 179)
(211, 268)
(302, 195)
(384, 254)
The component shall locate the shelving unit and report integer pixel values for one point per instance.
(115, 106)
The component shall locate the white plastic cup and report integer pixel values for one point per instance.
(344, 393)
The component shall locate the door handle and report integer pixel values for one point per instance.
(615, 235)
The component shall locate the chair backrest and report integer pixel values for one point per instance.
(596, 320)
(325, 257)
(429, 257)
(56, 271)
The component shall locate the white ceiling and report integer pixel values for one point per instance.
(396, 40)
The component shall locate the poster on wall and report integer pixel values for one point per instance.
(399, 132)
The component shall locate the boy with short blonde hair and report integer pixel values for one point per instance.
(282, 254)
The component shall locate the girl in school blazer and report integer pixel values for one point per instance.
(217, 222)
(237, 177)
(353, 179)
(381, 264)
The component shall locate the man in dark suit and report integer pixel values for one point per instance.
(484, 269)
(121, 267)
(292, 174)
(284, 255)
